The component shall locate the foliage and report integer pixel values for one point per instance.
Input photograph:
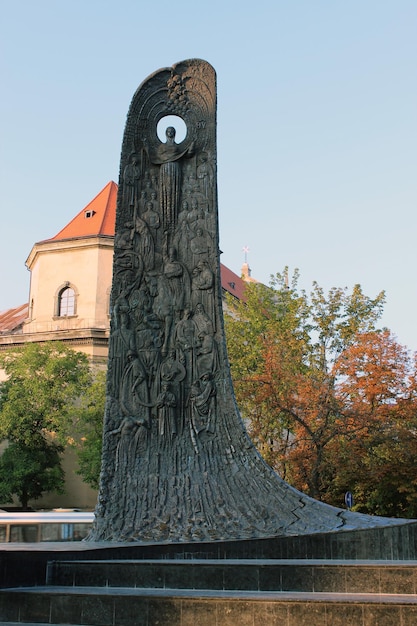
(329, 398)
(88, 427)
(377, 384)
(36, 407)
(30, 472)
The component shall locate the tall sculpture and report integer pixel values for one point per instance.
(177, 462)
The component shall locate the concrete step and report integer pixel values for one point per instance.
(150, 607)
(386, 577)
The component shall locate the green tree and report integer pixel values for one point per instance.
(28, 472)
(88, 429)
(36, 410)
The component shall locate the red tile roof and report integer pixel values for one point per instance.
(232, 283)
(12, 319)
(97, 218)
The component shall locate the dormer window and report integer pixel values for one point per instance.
(89, 213)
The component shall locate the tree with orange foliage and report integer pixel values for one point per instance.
(377, 385)
(295, 361)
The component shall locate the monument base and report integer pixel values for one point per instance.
(354, 578)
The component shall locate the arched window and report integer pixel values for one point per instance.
(66, 302)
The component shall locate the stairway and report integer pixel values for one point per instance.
(224, 592)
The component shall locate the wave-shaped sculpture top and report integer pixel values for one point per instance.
(177, 462)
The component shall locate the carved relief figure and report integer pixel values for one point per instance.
(200, 246)
(166, 404)
(203, 404)
(148, 344)
(191, 186)
(206, 353)
(126, 451)
(202, 284)
(122, 343)
(202, 320)
(127, 257)
(178, 280)
(151, 217)
(134, 394)
(121, 302)
(205, 174)
(185, 343)
(131, 175)
(143, 242)
(172, 371)
(168, 157)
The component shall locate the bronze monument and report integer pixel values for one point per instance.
(177, 462)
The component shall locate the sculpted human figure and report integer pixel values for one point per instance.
(128, 282)
(142, 203)
(148, 187)
(133, 441)
(148, 350)
(206, 353)
(131, 175)
(178, 280)
(152, 219)
(183, 233)
(202, 283)
(200, 221)
(202, 402)
(192, 187)
(172, 371)
(200, 246)
(134, 393)
(202, 320)
(194, 215)
(170, 290)
(126, 447)
(122, 343)
(155, 185)
(127, 257)
(168, 157)
(143, 242)
(205, 174)
(140, 303)
(185, 342)
(154, 199)
(166, 405)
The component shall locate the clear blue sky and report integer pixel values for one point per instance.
(317, 105)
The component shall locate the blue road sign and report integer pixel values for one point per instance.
(348, 499)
